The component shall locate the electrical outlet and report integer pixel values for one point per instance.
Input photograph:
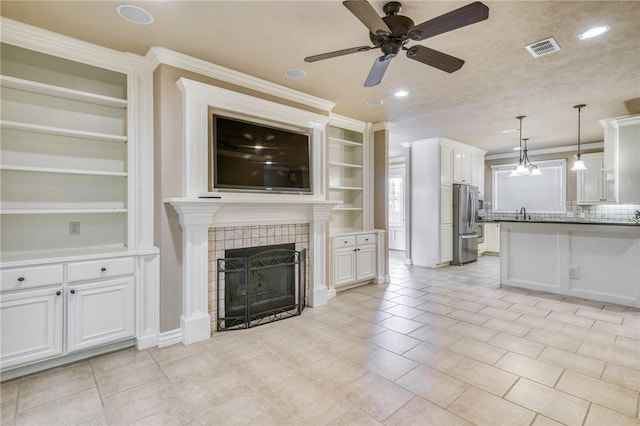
(574, 272)
(74, 228)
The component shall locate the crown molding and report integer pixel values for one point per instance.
(383, 125)
(568, 148)
(161, 55)
(45, 41)
(347, 123)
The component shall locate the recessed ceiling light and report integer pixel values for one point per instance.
(401, 93)
(295, 73)
(135, 14)
(593, 32)
(375, 102)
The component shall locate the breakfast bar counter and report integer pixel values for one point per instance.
(593, 260)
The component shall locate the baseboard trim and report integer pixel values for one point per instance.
(169, 338)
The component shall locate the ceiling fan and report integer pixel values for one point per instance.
(392, 32)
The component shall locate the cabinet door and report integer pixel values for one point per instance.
(446, 165)
(477, 172)
(461, 167)
(344, 266)
(446, 205)
(492, 237)
(446, 243)
(31, 324)
(100, 312)
(590, 182)
(365, 262)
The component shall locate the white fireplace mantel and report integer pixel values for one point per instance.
(197, 215)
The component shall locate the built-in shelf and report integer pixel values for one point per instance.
(60, 131)
(61, 171)
(344, 142)
(348, 208)
(349, 165)
(347, 188)
(60, 211)
(60, 92)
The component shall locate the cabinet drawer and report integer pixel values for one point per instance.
(37, 276)
(365, 239)
(348, 241)
(98, 269)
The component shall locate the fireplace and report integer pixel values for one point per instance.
(262, 284)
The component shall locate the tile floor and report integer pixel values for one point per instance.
(434, 347)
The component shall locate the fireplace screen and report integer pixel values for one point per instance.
(257, 285)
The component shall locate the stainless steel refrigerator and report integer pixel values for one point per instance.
(465, 230)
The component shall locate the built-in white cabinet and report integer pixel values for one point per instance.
(461, 166)
(446, 243)
(477, 172)
(347, 170)
(622, 157)
(354, 259)
(592, 184)
(446, 165)
(492, 238)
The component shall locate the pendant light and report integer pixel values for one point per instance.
(520, 168)
(579, 164)
(529, 166)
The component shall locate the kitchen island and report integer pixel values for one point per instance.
(592, 260)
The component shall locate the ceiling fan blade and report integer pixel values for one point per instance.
(337, 53)
(368, 16)
(436, 59)
(377, 70)
(466, 15)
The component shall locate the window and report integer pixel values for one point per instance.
(538, 194)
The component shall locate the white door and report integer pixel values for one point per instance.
(396, 207)
(365, 262)
(31, 324)
(344, 269)
(100, 312)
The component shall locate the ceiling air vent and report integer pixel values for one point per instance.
(543, 47)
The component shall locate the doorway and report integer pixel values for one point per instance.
(396, 206)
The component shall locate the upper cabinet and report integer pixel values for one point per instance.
(461, 166)
(65, 156)
(592, 184)
(460, 163)
(348, 166)
(622, 157)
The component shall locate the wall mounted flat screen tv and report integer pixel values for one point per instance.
(252, 156)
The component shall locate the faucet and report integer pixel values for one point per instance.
(523, 213)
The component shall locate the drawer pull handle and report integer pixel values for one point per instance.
(21, 279)
(73, 292)
(103, 269)
(58, 293)
(366, 239)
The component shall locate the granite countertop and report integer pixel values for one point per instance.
(574, 222)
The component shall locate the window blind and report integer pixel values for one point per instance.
(538, 194)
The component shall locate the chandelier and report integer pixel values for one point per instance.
(525, 167)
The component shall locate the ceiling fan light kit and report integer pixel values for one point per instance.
(392, 32)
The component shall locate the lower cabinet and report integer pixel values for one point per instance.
(492, 238)
(89, 304)
(446, 243)
(354, 259)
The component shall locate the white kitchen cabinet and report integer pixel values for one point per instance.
(592, 184)
(477, 172)
(446, 243)
(622, 157)
(100, 312)
(492, 238)
(32, 325)
(461, 166)
(446, 165)
(354, 259)
(446, 205)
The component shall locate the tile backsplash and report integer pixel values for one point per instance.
(576, 213)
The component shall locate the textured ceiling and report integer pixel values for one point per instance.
(499, 80)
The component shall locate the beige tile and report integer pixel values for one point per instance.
(529, 310)
(388, 364)
(612, 317)
(435, 320)
(549, 402)
(603, 393)
(631, 319)
(544, 421)
(500, 313)
(533, 369)
(436, 308)
(140, 402)
(128, 376)
(600, 416)
(83, 407)
(408, 301)
(588, 334)
(111, 361)
(401, 325)
(8, 411)
(628, 344)
(370, 314)
(434, 336)
(509, 327)
(419, 412)
(580, 363)
(520, 345)
(362, 329)
(394, 341)
(620, 330)
(404, 311)
(473, 331)
(483, 376)
(543, 323)
(179, 414)
(626, 377)
(482, 408)
(263, 411)
(194, 366)
(433, 356)
(51, 385)
(355, 417)
(465, 305)
(554, 339)
(470, 317)
(557, 307)
(520, 299)
(432, 385)
(378, 397)
(477, 350)
(571, 319)
(464, 295)
(9, 390)
(611, 354)
(492, 300)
